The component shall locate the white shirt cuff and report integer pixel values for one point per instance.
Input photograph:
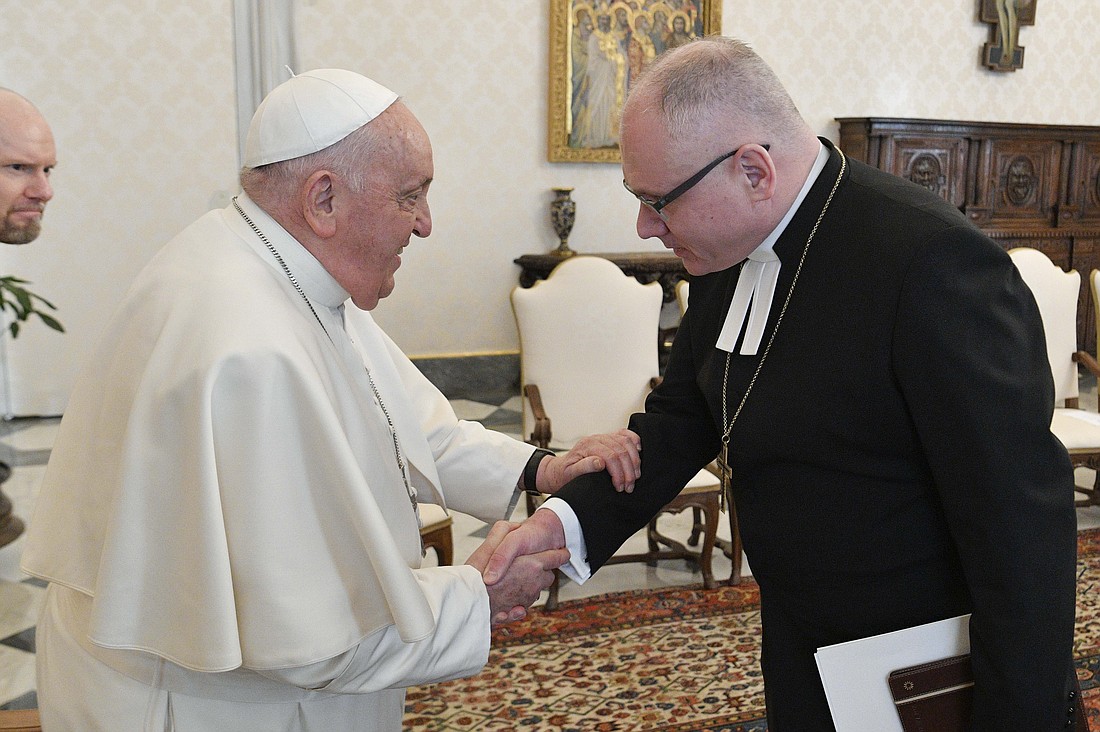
(577, 568)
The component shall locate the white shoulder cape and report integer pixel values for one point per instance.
(223, 484)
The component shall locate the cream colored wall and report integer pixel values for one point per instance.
(141, 97)
(475, 73)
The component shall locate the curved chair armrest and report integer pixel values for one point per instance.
(1085, 358)
(541, 434)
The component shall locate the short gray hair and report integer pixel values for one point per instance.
(716, 77)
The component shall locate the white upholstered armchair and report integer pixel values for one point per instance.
(588, 357)
(1057, 293)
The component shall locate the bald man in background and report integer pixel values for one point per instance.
(27, 155)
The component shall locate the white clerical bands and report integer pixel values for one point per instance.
(755, 289)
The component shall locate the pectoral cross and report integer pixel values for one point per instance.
(725, 473)
(1003, 52)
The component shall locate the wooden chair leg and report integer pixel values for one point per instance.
(706, 552)
(734, 546)
(1091, 496)
(445, 549)
(438, 537)
(696, 526)
(653, 540)
(706, 509)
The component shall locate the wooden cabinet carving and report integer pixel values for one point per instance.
(1024, 185)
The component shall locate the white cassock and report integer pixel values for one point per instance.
(228, 538)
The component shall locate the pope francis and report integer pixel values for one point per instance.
(229, 519)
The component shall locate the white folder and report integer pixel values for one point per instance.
(855, 673)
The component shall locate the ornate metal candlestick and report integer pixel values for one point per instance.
(563, 211)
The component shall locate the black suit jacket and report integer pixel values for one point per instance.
(893, 464)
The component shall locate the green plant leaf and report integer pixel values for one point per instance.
(21, 303)
(50, 321)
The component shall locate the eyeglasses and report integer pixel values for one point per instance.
(655, 205)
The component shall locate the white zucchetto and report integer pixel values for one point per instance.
(311, 111)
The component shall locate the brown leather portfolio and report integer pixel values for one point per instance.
(937, 697)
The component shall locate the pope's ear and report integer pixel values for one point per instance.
(319, 203)
(759, 170)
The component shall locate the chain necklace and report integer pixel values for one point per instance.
(402, 464)
(723, 460)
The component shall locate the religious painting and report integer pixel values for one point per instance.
(597, 49)
(1004, 52)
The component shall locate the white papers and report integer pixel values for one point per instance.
(855, 673)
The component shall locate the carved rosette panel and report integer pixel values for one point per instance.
(932, 162)
(1023, 180)
(926, 171)
(1019, 182)
(1025, 185)
(1089, 165)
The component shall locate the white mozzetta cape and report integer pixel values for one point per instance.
(224, 486)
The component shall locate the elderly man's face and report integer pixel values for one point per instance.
(27, 155)
(382, 220)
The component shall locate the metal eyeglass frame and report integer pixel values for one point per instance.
(656, 205)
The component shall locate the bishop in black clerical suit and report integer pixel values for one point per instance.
(892, 463)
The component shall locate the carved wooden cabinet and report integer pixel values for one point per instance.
(1024, 185)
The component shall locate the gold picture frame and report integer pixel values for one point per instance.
(596, 46)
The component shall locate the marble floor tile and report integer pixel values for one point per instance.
(22, 490)
(34, 437)
(467, 409)
(17, 677)
(20, 603)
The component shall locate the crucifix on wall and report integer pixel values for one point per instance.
(1004, 52)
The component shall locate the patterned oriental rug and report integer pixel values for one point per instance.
(672, 660)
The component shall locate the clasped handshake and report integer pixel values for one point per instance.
(517, 560)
